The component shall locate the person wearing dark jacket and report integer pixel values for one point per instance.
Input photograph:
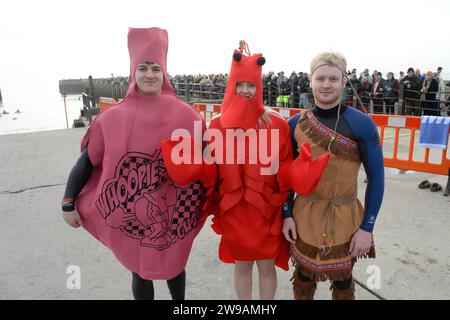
(377, 93)
(304, 91)
(350, 94)
(364, 92)
(430, 105)
(293, 88)
(391, 86)
(411, 93)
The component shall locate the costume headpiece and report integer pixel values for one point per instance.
(237, 110)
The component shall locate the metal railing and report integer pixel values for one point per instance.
(290, 95)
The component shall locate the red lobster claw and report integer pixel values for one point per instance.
(303, 174)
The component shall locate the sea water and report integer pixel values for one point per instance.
(41, 107)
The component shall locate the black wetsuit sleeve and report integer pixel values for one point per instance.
(78, 177)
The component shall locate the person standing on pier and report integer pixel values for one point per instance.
(250, 190)
(329, 229)
(119, 189)
(391, 92)
(411, 93)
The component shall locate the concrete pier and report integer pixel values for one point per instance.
(37, 247)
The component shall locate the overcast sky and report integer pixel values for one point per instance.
(71, 39)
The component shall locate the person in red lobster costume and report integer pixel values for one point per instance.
(246, 189)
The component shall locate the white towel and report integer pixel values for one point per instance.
(434, 132)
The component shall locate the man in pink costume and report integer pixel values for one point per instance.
(119, 190)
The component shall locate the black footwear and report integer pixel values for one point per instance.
(435, 187)
(425, 184)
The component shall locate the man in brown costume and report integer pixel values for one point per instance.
(329, 229)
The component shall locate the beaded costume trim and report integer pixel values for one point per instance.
(328, 133)
(323, 267)
(322, 135)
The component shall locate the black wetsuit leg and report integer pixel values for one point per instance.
(341, 285)
(177, 286)
(302, 277)
(344, 284)
(142, 289)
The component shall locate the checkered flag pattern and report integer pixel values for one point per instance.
(188, 201)
(135, 230)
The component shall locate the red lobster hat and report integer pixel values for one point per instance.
(237, 110)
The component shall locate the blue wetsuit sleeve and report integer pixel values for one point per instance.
(289, 203)
(293, 124)
(288, 206)
(372, 158)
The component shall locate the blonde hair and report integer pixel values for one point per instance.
(329, 58)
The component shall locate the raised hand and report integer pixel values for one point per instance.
(185, 172)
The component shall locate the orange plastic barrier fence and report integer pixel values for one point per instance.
(410, 125)
(209, 111)
(105, 103)
(405, 123)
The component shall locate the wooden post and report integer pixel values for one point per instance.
(64, 94)
(187, 93)
(401, 101)
(92, 99)
(291, 103)
(269, 93)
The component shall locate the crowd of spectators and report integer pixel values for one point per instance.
(424, 93)
(113, 81)
(204, 86)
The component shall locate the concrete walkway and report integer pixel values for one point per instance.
(37, 247)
